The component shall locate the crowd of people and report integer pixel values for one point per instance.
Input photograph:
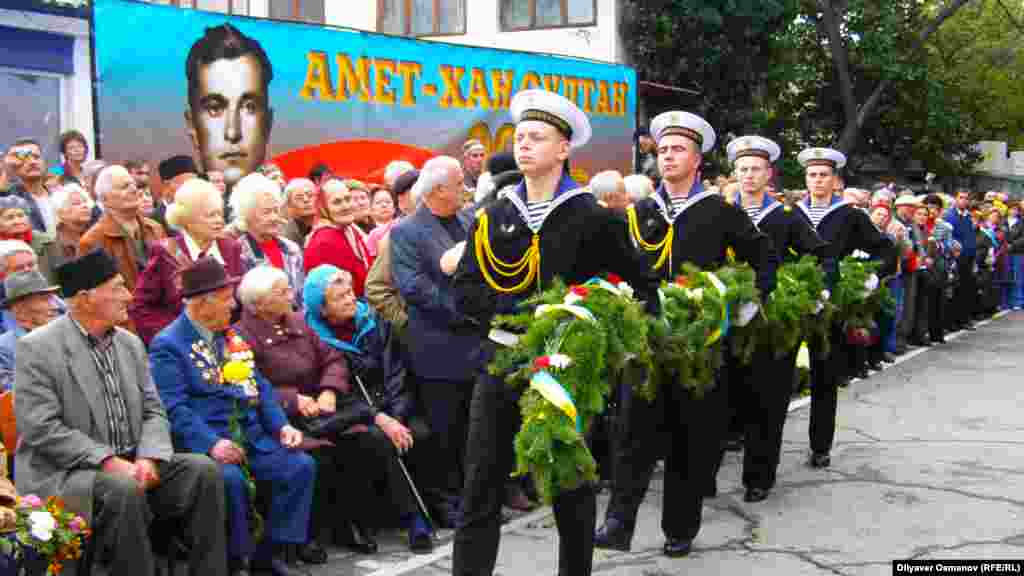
(281, 365)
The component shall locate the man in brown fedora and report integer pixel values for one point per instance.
(94, 432)
(207, 377)
(29, 299)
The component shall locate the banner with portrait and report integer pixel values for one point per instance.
(236, 92)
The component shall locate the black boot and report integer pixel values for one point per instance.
(614, 535)
(284, 562)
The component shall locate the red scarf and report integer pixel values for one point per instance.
(26, 237)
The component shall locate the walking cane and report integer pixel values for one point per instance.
(401, 464)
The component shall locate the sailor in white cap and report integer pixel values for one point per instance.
(759, 390)
(846, 228)
(680, 223)
(543, 228)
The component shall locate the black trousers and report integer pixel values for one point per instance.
(446, 409)
(937, 308)
(923, 306)
(191, 488)
(691, 428)
(824, 390)
(490, 458)
(761, 391)
(966, 295)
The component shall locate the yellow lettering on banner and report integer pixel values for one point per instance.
(571, 91)
(530, 80)
(353, 79)
(410, 71)
(502, 87)
(604, 105)
(382, 72)
(588, 86)
(504, 138)
(479, 97)
(553, 83)
(482, 132)
(318, 78)
(619, 99)
(452, 77)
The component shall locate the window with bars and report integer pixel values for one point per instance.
(225, 6)
(421, 17)
(534, 14)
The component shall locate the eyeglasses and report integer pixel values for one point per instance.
(25, 154)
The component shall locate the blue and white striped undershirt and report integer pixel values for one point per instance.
(677, 204)
(817, 213)
(536, 211)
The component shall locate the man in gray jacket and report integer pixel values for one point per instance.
(94, 431)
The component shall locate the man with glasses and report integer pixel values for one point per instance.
(29, 167)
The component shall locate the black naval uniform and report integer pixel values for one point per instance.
(692, 429)
(578, 239)
(759, 392)
(846, 228)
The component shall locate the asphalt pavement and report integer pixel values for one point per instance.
(928, 463)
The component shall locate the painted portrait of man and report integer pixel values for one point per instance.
(228, 116)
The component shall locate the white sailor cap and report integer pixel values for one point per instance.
(753, 146)
(684, 124)
(553, 109)
(822, 157)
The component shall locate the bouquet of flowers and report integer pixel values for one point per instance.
(798, 308)
(695, 318)
(744, 307)
(858, 299)
(239, 370)
(46, 530)
(576, 340)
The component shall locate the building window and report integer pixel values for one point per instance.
(34, 107)
(225, 6)
(533, 14)
(421, 17)
(311, 11)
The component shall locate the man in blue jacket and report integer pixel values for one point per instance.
(207, 380)
(425, 250)
(959, 217)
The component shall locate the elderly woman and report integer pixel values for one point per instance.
(198, 213)
(336, 240)
(401, 196)
(299, 210)
(382, 207)
(256, 204)
(73, 208)
(308, 377)
(361, 205)
(15, 225)
(375, 362)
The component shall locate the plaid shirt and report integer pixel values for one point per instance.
(102, 349)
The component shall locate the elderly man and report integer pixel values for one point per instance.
(425, 249)
(16, 256)
(610, 190)
(638, 187)
(174, 172)
(207, 379)
(94, 432)
(906, 206)
(121, 231)
(959, 217)
(29, 298)
(256, 203)
(473, 154)
(300, 210)
(30, 169)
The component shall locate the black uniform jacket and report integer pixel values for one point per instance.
(847, 228)
(702, 232)
(790, 230)
(578, 239)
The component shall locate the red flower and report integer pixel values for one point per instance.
(682, 281)
(614, 279)
(580, 291)
(541, 363)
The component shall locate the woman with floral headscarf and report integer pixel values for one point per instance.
(335, 238)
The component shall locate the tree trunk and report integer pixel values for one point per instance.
(851, 131)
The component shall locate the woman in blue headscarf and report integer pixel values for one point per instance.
(375, 362)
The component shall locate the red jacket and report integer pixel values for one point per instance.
(328, 245)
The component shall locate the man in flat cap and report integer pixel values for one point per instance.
(558, 229)
(207, 377)
(846, 228)
(30, 301)
(473, 155)
(94, 432)
(680, 223)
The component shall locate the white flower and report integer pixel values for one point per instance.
(825, 295)
(43, 524)
(560, 361)
(871, 283)
(860, 255)
(572, 298)
(819, 307)
(625, 289)
(746, 313)
(696, 295)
